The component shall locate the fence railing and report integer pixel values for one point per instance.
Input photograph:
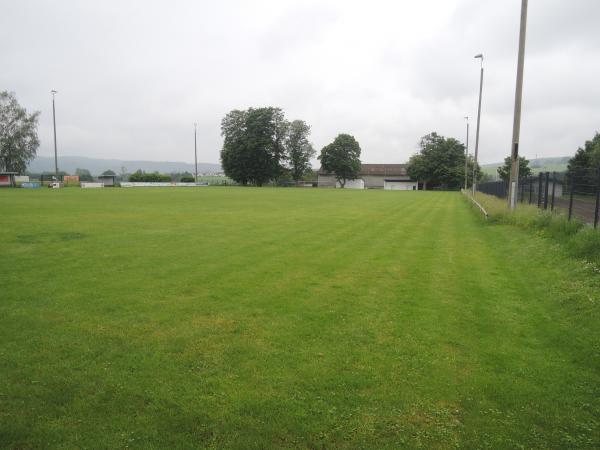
(576, 193)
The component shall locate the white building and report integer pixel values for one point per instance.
(374, 176)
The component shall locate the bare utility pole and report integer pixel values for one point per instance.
(467, 154)
(195, 154)
(513, 186)
(478, 122)
(54, 121)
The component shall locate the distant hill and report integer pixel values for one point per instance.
(556, 164)
(96, 166)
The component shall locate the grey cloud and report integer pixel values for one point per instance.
(134, 76)
(297, 27)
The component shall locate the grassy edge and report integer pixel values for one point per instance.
(578, 239)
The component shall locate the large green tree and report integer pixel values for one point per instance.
(84, 174)
(440, 163)
(342, 158)
(583, 166)
(253, 145)
(524, 169)
(299, 149)
(141, 176)
(586, 157)
(18, 134)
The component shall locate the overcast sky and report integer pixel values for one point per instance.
(133, 76)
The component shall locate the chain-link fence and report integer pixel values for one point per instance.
(576, 193)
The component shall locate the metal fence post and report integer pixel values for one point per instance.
(597, 214)
(571, 196)
(553, 190)
(540, 189)
(546, 190)
(530, 190)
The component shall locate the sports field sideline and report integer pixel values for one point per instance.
(276, 318)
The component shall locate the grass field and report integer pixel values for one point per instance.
(274, 318)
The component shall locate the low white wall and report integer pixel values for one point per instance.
(400, 185)
(90, 185)
(158, 184)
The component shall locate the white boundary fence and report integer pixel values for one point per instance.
(481, 208)
(159, 184)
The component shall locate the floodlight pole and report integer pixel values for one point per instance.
(513, 185)
(467, 154)
(54, 121)
(478, 122)
(195, 155)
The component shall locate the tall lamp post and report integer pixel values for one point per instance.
(195, 155)
(54, 121)
(513, 185)
(480, 56)
(467, 153)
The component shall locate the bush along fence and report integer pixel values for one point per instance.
(576, 193)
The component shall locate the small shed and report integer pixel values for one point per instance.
(108, 180)
(7, 179)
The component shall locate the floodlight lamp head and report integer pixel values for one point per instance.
(480, 55)
(53, 91)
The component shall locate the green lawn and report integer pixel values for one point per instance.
(257, 318)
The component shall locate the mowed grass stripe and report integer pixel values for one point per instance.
(253, 318)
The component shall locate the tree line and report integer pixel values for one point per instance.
(586, 157)
(440, 163)
(18, 134)
(260, 145)
(137, 176)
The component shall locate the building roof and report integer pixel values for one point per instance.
(384, 170)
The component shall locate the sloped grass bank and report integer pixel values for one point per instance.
(577, 238)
